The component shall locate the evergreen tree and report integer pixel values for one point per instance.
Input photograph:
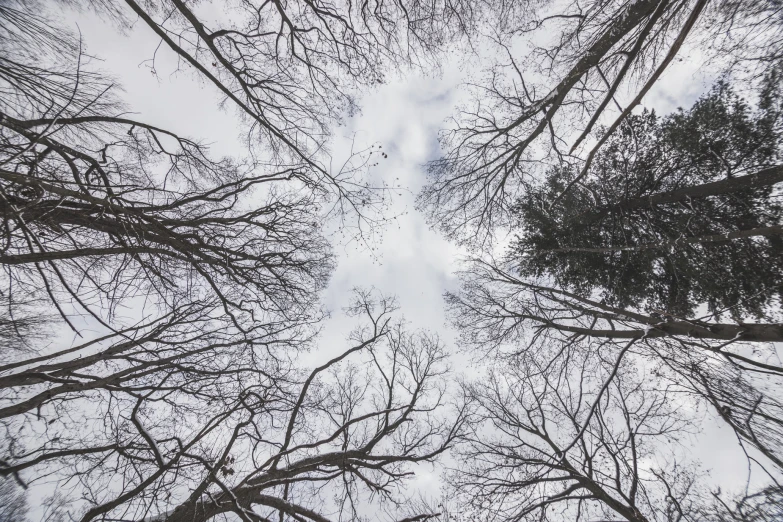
(676, 212)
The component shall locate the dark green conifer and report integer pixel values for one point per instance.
(676, 212)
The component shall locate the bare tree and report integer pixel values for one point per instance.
(195, 404)
(290, 67)
(765, 505)
(220, 429)
(127, 209)
(494, 306)
(750, 35)
(579, 434)
(734, 369)
(99, 208)
(746, 399)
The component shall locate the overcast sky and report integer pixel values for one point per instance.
(412, 262)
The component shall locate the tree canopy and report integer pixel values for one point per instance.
(636, 228)
(165, 346)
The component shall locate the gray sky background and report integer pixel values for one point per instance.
(412, 262)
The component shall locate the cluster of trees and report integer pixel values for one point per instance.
(191, 282)
(625, 276)
(641, 287)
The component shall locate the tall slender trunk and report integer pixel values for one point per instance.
(753, 332)
(763, 178)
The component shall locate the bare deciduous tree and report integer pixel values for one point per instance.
(579, 434)
(745, 398)
(733, 369)
(200, 277)
(144, 433)
(765, 505)
(494, 306)
(99, 208)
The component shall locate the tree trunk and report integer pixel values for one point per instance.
(755, 332)
(763, 178)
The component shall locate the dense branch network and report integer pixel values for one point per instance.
(191, 283)
(639, 293)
